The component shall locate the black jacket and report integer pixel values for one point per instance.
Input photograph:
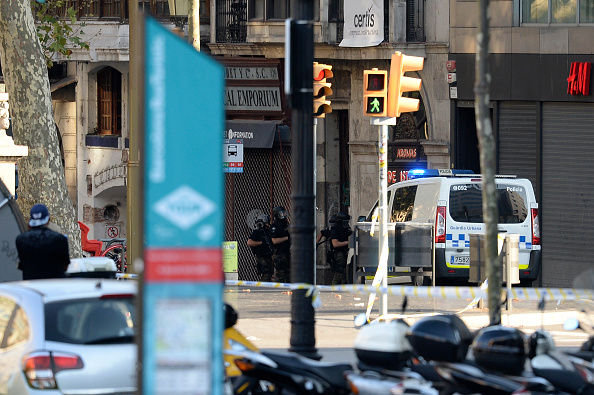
(43, 253)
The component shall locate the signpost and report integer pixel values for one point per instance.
(233, 156)
(182, 282)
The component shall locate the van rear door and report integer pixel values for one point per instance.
(514, 197)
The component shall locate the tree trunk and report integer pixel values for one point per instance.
(488, 165)
(41, 174)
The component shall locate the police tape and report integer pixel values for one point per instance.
(452, 292)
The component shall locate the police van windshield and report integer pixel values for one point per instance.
(466, 203)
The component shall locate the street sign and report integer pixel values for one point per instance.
(183, 217)
(233, 156)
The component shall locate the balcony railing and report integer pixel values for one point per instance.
(232, 16)
(112, 9)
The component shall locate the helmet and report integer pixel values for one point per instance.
(383, 345)
(342, 216)
(230, 315)
(262, 220)
(540, 342)
(500, 348)
(280, 212)
(440, 338)
(332, 219)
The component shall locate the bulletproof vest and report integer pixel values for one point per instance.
(280, 228)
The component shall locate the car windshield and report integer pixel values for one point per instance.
(466, 203)
(91, 321)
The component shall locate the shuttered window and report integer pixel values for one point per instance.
(109, 101)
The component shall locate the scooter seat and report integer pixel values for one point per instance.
(331, 372)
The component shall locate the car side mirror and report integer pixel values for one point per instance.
(361, 218)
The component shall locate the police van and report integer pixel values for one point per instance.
(451, 200)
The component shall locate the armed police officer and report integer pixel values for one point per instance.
(340, 233)
(281, 245)
(261, 245)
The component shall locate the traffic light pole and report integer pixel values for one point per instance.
(381, 276)
(302, 192)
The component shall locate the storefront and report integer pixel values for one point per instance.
(542, 113)
(257, 117)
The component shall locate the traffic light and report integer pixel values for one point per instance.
(375, 91)
(4, 116)
(399, 84)
(321, 89)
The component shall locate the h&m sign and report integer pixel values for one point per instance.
(579, 78)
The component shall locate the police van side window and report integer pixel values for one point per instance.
(375, 210)
(403, 204)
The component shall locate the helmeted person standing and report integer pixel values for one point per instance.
(340, 233)
(281, 245)
(261, 245)
(43, 253)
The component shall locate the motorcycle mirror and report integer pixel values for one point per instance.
(571, 324)
(360, 320)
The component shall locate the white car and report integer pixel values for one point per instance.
(68, 336)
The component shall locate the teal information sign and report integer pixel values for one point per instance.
(183, 217)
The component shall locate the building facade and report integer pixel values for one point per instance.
(91, 98)
(541, 111)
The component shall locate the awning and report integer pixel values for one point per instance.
(256, 134)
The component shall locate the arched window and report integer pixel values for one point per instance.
(109, 101)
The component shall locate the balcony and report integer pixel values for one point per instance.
(240, 21)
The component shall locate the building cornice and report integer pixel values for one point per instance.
(383, 51)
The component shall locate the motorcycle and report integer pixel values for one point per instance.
(233, 340)
(260, 372)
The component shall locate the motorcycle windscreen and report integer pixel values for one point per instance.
(13, 224)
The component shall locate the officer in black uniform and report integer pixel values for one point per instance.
(340, 234)
(281, 245)
(261, 245)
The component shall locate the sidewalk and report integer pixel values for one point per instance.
(264, 315)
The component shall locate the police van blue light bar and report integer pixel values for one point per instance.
(425, 173)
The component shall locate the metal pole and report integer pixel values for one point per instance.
(135, 185)
(315, 181)
(302, 195)
(383, 212)
(133, 196)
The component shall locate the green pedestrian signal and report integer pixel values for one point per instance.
(375, 105)
(375, 91)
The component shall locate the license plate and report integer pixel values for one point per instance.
(465, 259)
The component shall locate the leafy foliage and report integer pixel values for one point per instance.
(57, 28)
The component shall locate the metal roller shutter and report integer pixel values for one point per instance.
(517, 148)
(264, 184)
(568, 191)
